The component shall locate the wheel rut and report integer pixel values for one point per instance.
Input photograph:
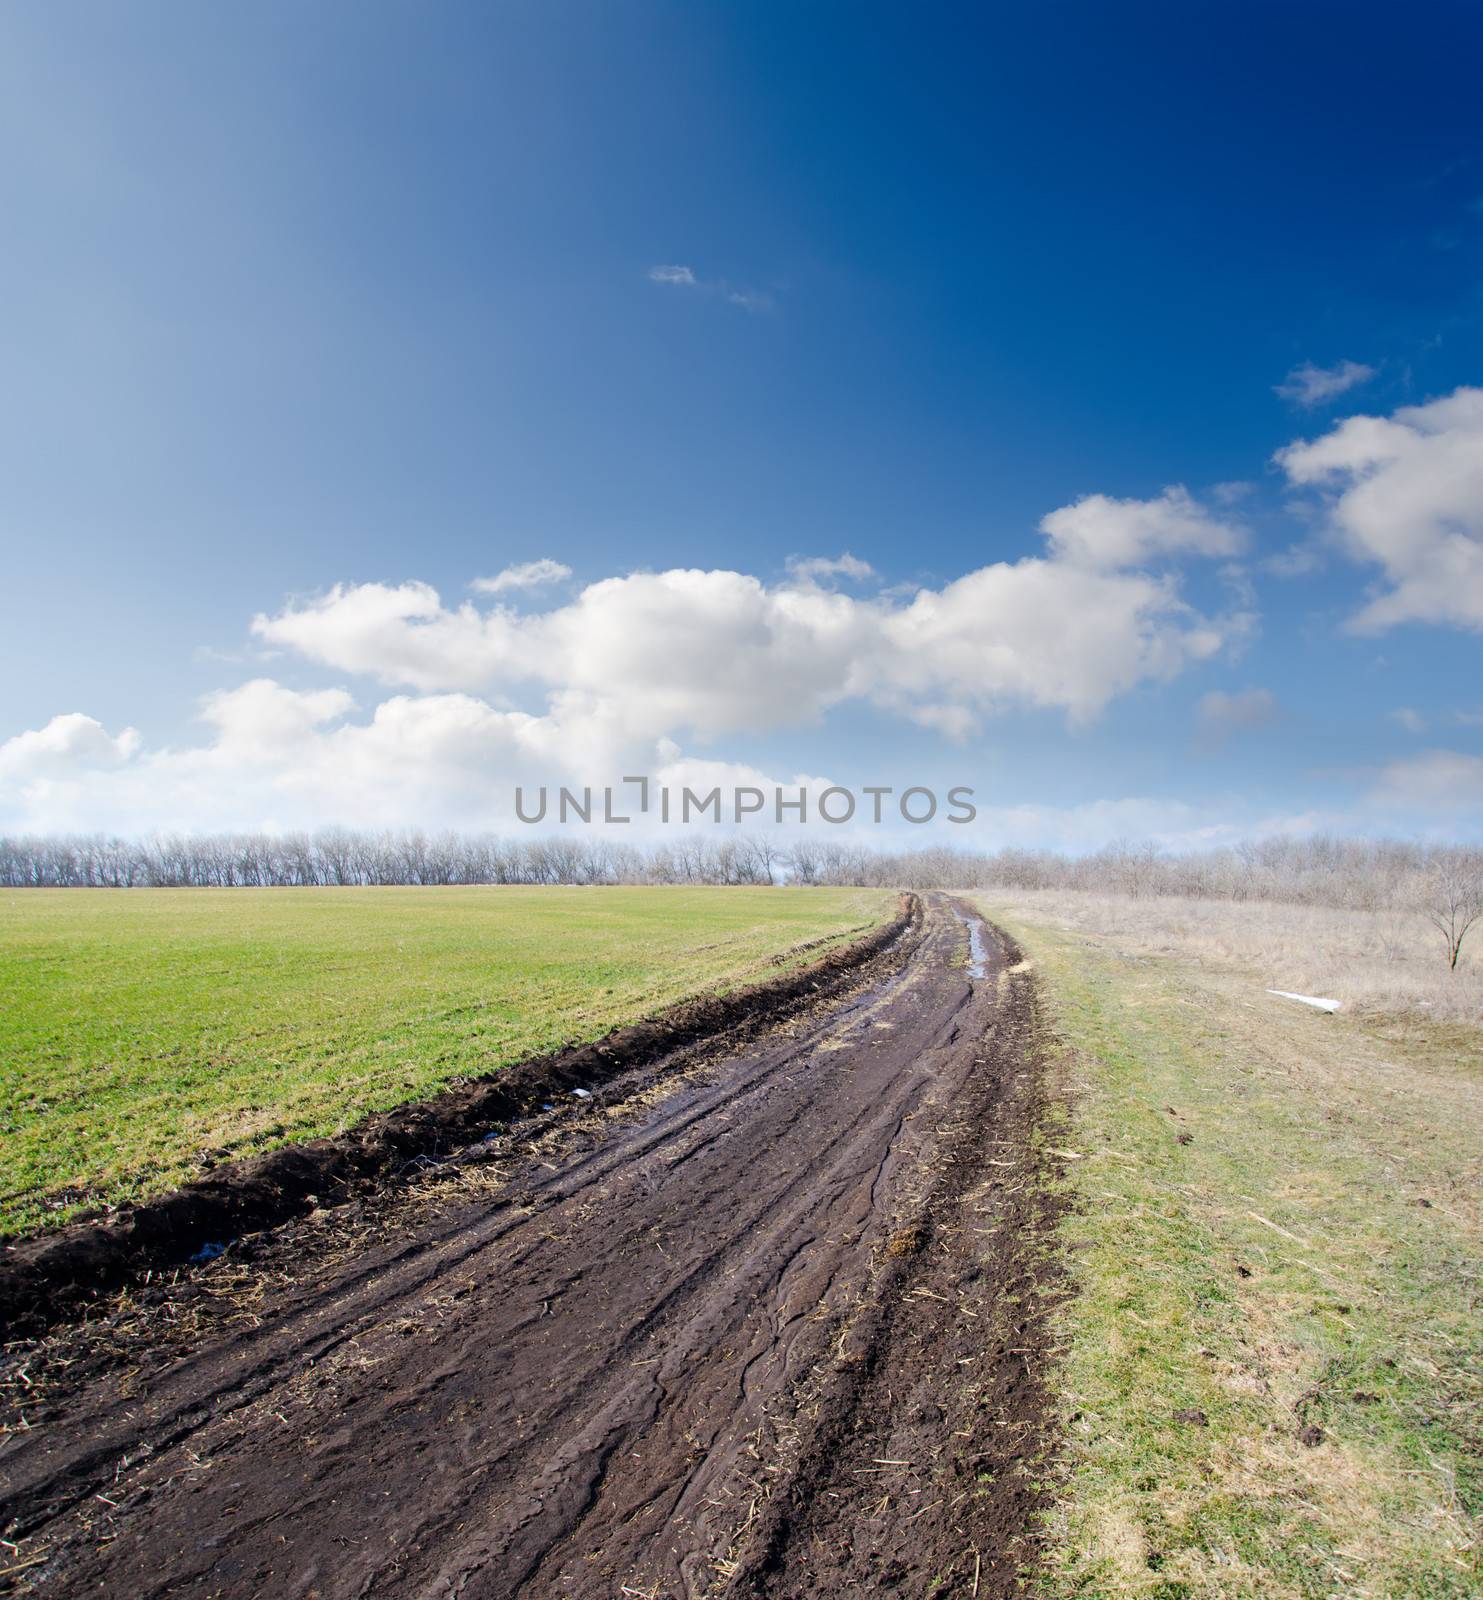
(777, 1328)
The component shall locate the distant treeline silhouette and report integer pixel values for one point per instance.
(1319, 870)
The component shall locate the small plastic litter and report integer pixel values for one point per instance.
(209, 1252)
(582, 1094)
(489, 1137)
(1306, 999)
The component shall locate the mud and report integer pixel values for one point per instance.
(55, 1274)
(772, 1323)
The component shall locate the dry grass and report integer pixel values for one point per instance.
(1275, 1229)
(1388, 961)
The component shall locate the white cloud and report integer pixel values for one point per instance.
(611, 680)
(1310, 386)
(1406, 493)
(524, 575)
(1223, 714)
(680, 277)
(276, 758)
(1106, 534)
(1445, 781)
(67, 744)
(1168, 823)
(814, 568)
(714, 652)
(703, 652)
(1411, 721)
(1232, 492)
(1036, 633)
(1297, 561)
(399, 633)
(263, 718)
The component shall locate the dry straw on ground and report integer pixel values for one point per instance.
(1386, 960)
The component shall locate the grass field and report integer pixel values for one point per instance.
(1273, 1363)
(142, 1029)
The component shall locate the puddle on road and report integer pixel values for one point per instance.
(978, 953)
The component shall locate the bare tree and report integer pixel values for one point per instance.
(803, 862)
(759, 858)
(1453, 899)
(1385, 877)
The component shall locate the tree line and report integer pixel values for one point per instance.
(1319, 870)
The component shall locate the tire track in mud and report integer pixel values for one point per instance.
(777, 1332)
(56, 1275)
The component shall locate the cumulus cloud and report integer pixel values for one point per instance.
(1309, 386)
(261, 717)
(400, 633)
(1405, 493)
(1411, 720)
(277, 758)
(1036, 633)
(1105, 534)
(818, 568)
(67, 744)
(615, 677)
(1221, 714)
(712, 652)
(524, 575)
(680, 277)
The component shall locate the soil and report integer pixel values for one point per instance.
(53, 1275)
(764, 1316)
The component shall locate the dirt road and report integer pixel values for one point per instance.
(771, 1325)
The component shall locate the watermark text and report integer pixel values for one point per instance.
(635, 797)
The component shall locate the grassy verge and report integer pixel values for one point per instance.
(140, 1030)
(1273, 1363)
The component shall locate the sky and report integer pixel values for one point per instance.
(1082, 403)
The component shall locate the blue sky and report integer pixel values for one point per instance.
(298, 297)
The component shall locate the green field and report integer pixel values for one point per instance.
(1272, 1368)
(140, 1029)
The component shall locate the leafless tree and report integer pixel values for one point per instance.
(762, 856)
(1453, 897)
(803, 862)
(1386, 877)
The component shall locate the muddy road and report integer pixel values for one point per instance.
(770, 1325)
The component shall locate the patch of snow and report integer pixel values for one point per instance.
(1307, 999)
